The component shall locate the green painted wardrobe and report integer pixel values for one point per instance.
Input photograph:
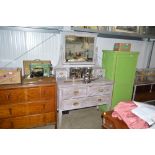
(120, 67)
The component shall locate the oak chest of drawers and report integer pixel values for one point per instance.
(76, 95)
(28, 105)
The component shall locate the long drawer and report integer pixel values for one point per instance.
(28, 121)
(86, 102)
(15, 110)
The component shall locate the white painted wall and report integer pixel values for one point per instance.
(46, 46)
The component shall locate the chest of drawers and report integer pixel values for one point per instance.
(28, 105)
(76, 95)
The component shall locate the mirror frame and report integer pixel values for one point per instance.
(78, 34)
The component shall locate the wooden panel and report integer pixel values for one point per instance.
(36, 120)
(6, 124)
(145, 93)
(110, 122)
(50, 117)
(4, 97)
(12, 96)
(33, 94)
(20, 122)
(35, 108)
(47, 92)
(19, 110)
(5, 111)
(49, 106)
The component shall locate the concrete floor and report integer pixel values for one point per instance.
(88, 118)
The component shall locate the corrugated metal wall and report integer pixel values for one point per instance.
(20, 45)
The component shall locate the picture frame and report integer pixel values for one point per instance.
(126, 29)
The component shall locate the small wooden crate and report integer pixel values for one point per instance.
(10, 75)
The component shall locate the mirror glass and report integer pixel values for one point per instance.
(79, 48)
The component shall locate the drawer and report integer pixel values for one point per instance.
(99, 90)
(48, 92)
(20, 122)
(33, 94)
(98, 100)
(12, 96)
(36, 120)
(73, 92)
(50, 118)
(5, 111)
(35, 108)
(73, 104)
(19, 110)
(50, 106)
(6, 124)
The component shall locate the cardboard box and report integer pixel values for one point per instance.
(27, 63)
(122, 47)
(10, 75)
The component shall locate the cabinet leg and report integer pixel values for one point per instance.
(59, 119)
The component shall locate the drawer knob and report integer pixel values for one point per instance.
(99, 100)
(76, 92)
(101, 90)
(75, 103)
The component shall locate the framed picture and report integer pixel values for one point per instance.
(127, 29)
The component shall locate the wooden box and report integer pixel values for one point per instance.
(122, 47)
(110, 122)
(10, 75)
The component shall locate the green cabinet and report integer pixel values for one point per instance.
(120, 67)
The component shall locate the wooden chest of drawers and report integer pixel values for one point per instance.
(28, 105)
(79, 95)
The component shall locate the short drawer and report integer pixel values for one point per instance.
(72, 104)
(99, 90)
(33, 94)
(19, 110)
(6, 124)
(98, 100)
(48, 92)
(12, 96)
(73, 92)
(20, 122)
(5, 111)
